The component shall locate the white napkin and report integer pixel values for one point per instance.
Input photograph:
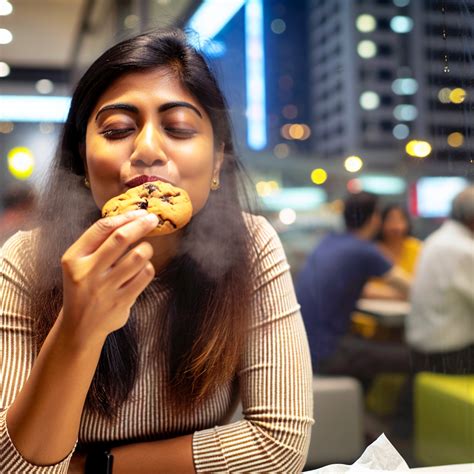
(378, 458)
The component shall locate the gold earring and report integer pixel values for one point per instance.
(215, 184)
(86, 183)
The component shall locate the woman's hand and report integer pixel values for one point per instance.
(103, 275)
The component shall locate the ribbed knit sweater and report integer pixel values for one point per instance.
(273, 379)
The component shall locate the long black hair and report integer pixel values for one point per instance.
(202, 330)
(384, 215)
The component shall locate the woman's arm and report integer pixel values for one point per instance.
(171, 456)
(275, 378)
(101, 282)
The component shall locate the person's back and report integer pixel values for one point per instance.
(442, 316)
(330, 284)
(328, 287)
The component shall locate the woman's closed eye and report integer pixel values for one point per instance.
(117, 133)
(180, 132)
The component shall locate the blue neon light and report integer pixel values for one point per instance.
(31, 108)
(255, 75)
(212, 16)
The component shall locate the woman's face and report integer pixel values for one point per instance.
(146, 124)
(395, 225)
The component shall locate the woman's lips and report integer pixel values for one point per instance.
(138, 180)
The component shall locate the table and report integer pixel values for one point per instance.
(453, 468)
(390, 313)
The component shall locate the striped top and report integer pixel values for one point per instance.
(273, 380)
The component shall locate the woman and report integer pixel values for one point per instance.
(138, 347)
(396, 242)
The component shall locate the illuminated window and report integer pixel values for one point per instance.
(401, 24)
(405, 112)
(367, 49)
(369, 100)
(366, 23)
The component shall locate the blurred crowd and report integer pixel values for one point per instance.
(429, 284)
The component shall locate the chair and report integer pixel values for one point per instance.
(337, 435)
(444, 418)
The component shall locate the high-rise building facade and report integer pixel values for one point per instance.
(386, 72)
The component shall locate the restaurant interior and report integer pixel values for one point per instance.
(328, 98)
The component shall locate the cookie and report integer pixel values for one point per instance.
(169, 203)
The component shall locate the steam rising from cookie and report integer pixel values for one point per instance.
(169, 203)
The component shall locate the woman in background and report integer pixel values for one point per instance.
(396, 242)
(129, 350)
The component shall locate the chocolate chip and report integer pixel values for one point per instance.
(161, 221)
(150, 187)
(166, 197)
(143, 205)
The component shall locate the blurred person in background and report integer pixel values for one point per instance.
(440, 327)
(138, 347)
(329, 286)
(19, 203)
(397, 244)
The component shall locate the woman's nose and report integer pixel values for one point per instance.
(149, 147)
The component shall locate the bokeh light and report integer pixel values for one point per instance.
(401, 24)
(290, 111)
(369, 100)
(353, 163)
(4, 69)
(131, 22)
(354, 186)
(401, 131)
(456, 139)
(265, 188)
(319, 176)
(457, 95)
(44, 86)
(401, 3)
(6, 127)
(21, 162)
(405, 86)
(296, 131)
(282, 150)
(366, 23)
(443, 95)
(5, 36)
(278, 26)
(418, 148)
(5, 7)
(285, 131)
(405, 112)
(366, 49)
(287, 216)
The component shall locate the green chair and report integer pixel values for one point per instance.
(444, 418)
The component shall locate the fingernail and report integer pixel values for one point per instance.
(136, 213)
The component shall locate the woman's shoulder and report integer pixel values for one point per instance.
(19, 250)
(259, 229)
(412, 243)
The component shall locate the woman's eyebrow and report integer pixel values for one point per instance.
(126, 107)
(170, 105)
(162, 108)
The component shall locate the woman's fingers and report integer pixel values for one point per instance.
(133, 287)
(130, 264)
(121, 239)
(95, 235)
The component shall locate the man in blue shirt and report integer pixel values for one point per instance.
(329, 286)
